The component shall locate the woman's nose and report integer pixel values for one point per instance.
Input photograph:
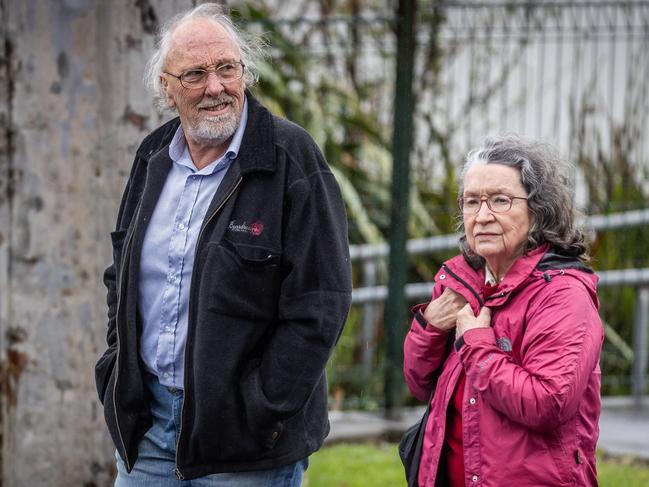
(484, 212)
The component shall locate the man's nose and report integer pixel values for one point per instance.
(213, 85)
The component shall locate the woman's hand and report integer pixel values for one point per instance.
(442, 312)
(466, 320)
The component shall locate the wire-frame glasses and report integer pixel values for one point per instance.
(197, 77)
(498, 203)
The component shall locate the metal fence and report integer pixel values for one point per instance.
(566, 71)
(570, 72)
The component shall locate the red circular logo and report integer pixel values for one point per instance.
(256, 228)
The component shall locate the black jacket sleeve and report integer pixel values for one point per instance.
(105, 364)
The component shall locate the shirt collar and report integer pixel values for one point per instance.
(179, 152)
(489, 278)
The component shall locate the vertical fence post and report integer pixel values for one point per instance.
(640, 342)
(369, 321)
(400, 196)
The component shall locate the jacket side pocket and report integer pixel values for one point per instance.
(103, 371)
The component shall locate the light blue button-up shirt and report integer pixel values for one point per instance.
(168, 255)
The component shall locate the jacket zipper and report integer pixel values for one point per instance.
(119, 300)
(466, 284)
(179, 474)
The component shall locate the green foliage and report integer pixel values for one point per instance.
(342, 111)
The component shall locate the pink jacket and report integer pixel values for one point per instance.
(532, 396)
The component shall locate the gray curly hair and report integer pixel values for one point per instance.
(546, 178)
(252, 47)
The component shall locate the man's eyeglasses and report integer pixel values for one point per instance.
(197, 77)
(498, 203)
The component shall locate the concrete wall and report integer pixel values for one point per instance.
(72, 112)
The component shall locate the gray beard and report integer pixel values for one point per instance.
(214, 130)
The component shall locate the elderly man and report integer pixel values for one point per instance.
(230, 283)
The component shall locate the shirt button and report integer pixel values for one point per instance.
(474, 478)
(166, 374)
(167, 328)
(181, 226)
(442, 277)
(274, 435)
(472, 400)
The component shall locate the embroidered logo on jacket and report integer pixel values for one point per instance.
(254, 228)
(504, 344)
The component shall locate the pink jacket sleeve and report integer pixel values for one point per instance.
(559, 352)
(424, 352)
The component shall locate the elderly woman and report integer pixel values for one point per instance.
(507, 352)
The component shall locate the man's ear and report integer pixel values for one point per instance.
(165, 86)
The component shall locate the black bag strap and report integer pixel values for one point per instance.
(413, 478)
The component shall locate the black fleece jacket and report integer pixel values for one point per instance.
(270, 292)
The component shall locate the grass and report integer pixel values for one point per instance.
(378, 465)
(355, 465)
(625, 472)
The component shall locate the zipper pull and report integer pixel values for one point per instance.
(577, 457)
(179, 475)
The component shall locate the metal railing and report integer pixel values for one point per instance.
(370, 294)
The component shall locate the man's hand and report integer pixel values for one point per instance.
(466, 320)
(442, 312)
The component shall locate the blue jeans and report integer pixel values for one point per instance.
(157, 451)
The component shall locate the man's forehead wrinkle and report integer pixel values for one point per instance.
(200, 43)
(201, 54)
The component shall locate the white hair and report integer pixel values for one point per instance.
(252, 47)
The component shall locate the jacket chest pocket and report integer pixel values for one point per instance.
(241, 280)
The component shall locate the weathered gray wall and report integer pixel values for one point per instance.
(72, 111)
